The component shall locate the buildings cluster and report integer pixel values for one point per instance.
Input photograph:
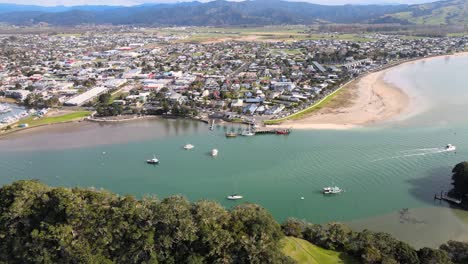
(150, 73)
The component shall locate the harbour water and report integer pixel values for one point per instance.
(15, 109)
(383, 169)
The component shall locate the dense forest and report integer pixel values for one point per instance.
(42, 224)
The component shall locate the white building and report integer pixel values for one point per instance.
(86, 96)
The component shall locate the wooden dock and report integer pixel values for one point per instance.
(266, 131)
(444, 197)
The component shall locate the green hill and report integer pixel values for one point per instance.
(452, 12)
(304, 252)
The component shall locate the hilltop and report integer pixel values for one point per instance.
(258, 12)
(452, 12)
(226, 13)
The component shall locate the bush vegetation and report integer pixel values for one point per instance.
(42, 224)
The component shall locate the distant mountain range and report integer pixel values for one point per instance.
(224, 13)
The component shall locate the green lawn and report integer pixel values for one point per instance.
(306, 111)
(34, 121)
(304, 252)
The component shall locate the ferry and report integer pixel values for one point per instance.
(332, 190)
(214, 152)
(450, 147)
(153, 161)
(235, 197)
(189, 147)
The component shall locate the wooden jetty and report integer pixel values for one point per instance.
(264, 131)
(444, 197)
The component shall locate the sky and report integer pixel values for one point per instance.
(136, 2)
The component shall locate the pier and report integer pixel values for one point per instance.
(444, 197)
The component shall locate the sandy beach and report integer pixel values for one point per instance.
(368, 100)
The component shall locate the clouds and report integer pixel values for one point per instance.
(137, 2)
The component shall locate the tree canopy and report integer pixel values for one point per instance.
(42, 224)
(460, 178)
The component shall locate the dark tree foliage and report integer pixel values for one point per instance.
(460, 178)
(373, 247)
(433, 256)
(457, 251)
(109, 110)
(41, 224)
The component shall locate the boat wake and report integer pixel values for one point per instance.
(415, 153)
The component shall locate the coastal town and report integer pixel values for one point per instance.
(117, 75)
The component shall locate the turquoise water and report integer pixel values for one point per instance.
(399, 164)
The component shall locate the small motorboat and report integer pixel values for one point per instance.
(283, 132)
(153, 161)
(189, 146)
(450, 147)
(332, 190)
(235, 197)
(214, 152)
(231, 134)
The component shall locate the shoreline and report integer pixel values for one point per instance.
(365, 101)
(76, 123)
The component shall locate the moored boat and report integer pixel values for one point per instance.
(5, 109)
(235, 197)
(283, 131)
(332, 190)
(214, 152)
(189, 146)
(153, 161)
(248, 132)
(231, 134)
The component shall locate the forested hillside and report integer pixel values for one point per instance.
(42, 224)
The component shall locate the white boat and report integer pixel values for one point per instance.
(212, 125)
(214, 152)
(450, 147)
(189, 146)
(154, 160)
(4, 109)
(8, 120)
(248, 132)
(332, 190)
(235, 197)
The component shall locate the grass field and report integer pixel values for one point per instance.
(34, 121)
(271, 33)
(304, 252)
(306, 111)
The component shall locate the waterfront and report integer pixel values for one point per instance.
(383, 168)
(15, 109)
